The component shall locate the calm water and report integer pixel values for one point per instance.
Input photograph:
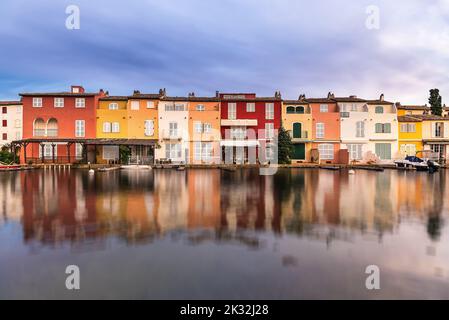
(199, 234)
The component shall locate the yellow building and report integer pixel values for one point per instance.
(297, 120)
(128, 122)
(410, 135)
(410, 110)
(204, 130)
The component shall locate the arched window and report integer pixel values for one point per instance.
(290, 109)
(39, 127)
(300, 109)
(379, 109)
(52, 127)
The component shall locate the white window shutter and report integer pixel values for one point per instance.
(446, 128)
(433, 130)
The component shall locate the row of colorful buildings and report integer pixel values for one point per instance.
(95, 127)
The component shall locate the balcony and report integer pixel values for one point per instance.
(239, 122)
(171, 135)
(39, 133)
(52, 132)
(303, 135)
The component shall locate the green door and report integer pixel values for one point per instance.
(383, 151)
(299, 151)
(296, 130)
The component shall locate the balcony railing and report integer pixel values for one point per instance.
(52, 132)
(302, 135)
(39, 132)
(173, 135)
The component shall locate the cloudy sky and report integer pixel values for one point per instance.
(228, 45)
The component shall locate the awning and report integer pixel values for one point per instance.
(239, 143)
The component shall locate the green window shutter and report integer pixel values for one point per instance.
(296, 130)
(378, 127)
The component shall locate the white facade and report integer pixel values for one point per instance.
(383, 131)
(11, 122)
(173, 131)
(354, 129)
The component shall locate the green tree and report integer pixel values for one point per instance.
(285, 147)
(435, 102)
(5, 155)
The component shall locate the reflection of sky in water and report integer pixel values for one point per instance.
(207, 233)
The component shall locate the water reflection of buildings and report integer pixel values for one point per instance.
(135, 206)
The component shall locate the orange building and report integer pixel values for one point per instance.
(204, 129)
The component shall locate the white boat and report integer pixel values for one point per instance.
(135, 167)
(426, 161)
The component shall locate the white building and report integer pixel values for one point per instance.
(383, 129)
(173, 130)
(11, 121)
(353, 126)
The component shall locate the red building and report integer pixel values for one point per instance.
(248, 126)
(57, 125)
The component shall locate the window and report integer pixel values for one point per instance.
(149, 128)
(269, 111)
(48, 151)
(250, 107)
(173, 150)
(4, 110)
(324, 108)
(354, 107)
(355, 151)
(200, 107)
(238, 133)
(379, 109)
(198, 127)
(59, 102)
(326, 151)
(17, 123)
(18, 109)
(408, 149)
(37, 102)
(18, 135)
(150, 104)
(383, 150)
(179, 107)
(290, 109)
(438, 148)
(173, 129)
(80, 128)
(202, 151)
(115, 127)
(320, 130)
(4, 123)
(106, 127)
(232, 111)
(113, 106)
(5, 136)
(135, 105)
(299, 110)
(383, 127)
(438, 129)
(269, 130)
(408, 127)
(78, 151)
(360, 129)
(80, 103)
(207, 128)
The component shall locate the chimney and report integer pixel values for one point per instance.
(191, 94)
(217, 94)
(76, 89)
(302, 96)
(136, 92)
(353, 96)
(162, 92)
(330, 95)
(381, 97)
(277, 94)
(100, 92)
